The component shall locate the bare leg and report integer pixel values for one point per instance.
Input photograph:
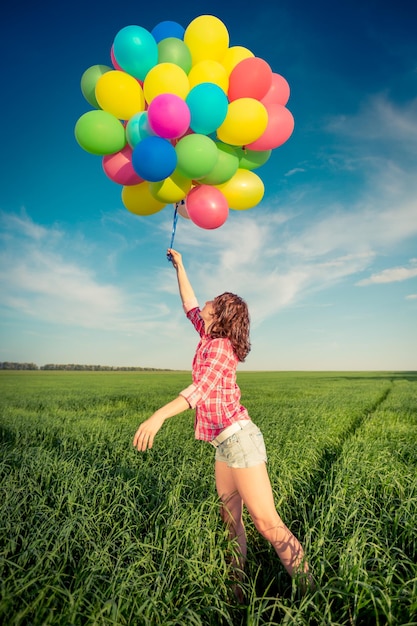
(254, 487)
(231, 513)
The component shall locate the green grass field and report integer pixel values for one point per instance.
(96, 533)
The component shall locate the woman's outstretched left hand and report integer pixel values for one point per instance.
(145, 434)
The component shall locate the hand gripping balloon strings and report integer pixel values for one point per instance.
(174, 227)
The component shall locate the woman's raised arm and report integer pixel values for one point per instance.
(186, 291)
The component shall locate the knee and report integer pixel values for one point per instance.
(270, 528)
(261, 525)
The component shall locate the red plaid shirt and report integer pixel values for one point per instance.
(214, 392)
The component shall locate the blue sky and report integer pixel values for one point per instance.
(327, 261)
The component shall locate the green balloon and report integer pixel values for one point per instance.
(99, 132)
(252, 159)
(197, 155)
(226, 165)
(173, 50)
(89, 80)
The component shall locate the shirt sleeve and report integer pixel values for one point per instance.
(191, 394)
(216, 361)
(196, 320)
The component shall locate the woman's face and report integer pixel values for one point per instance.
(207, 313)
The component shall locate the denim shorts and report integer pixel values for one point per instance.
(245, 448)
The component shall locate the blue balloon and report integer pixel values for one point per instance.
(135, 50)
(167, 29)
(208, 107)
(154, 159)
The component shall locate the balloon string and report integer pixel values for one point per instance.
(174, 228)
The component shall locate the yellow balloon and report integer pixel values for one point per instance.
(138, 200)
(172, 189)
(209, 71)
(166, 78)
(207, 38)
(243, 191)
(233, 56)
(245, 122)
(120, 94)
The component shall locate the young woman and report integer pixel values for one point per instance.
(240, 461)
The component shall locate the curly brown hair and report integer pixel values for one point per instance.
(231, 319)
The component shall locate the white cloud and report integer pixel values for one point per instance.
(275, 260)
(379, 119)
(49, 275)
(274, 255)
(412, 296)
(23, 224)
(295, 170)
(359, 230)
(390, 275)
(45, 286)
(37, 280)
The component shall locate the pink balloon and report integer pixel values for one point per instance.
(279, 128)
(169, 116)
(113, 60)
(207, 207)
(118, 167)
(250, 78)
(279, 91)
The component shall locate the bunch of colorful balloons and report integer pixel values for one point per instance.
(180, 115)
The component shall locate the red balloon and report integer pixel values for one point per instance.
(113, 60)
(250, 78)
(279, 91)
(207, 207)
(118, 167)
(279, 128)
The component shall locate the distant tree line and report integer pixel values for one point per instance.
(7, 365)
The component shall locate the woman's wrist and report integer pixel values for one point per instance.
(160, 414)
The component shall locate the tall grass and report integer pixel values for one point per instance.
(93, 532)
